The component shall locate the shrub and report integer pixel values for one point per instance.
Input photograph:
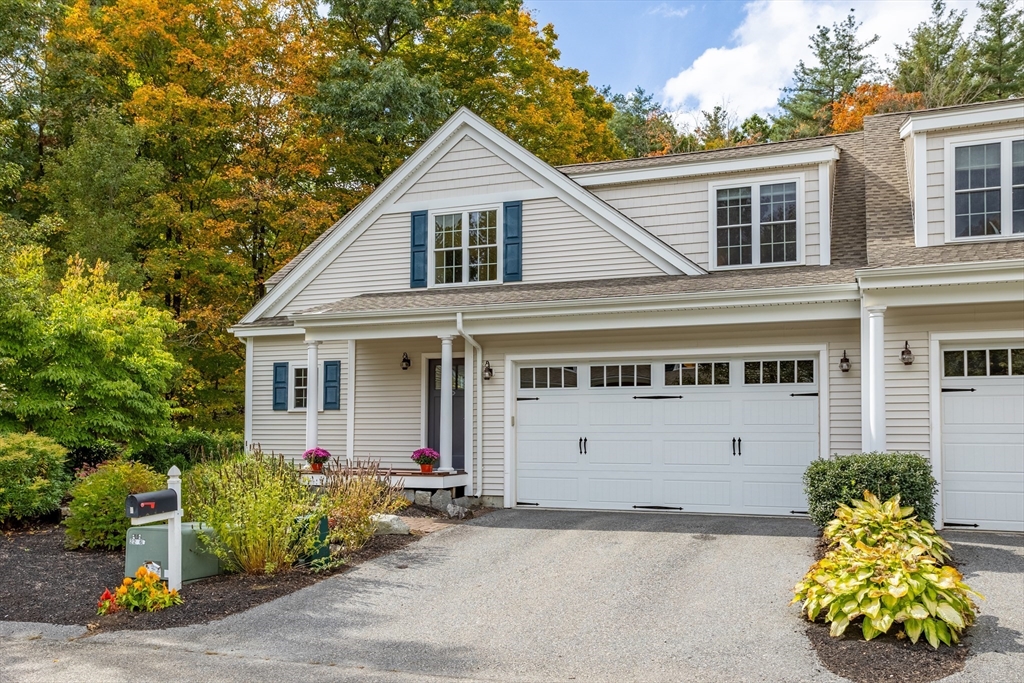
(145, 593)
(97, 518)
(840, 479)
(353, 494)
(263, 517)
(187, 448)
(32, 476)
(875, 523)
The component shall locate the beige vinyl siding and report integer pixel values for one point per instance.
(844, 388)
(377, 261)
(389, 400)
(677, 211)
(467, 169)
(907, 421)
(560, 244)
(935, 167)
(284, 432)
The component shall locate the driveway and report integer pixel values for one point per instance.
(528, 595)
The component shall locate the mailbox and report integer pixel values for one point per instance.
(151, 503)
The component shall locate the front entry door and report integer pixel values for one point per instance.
(458, 409)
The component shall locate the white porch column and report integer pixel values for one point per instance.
(874, 428)
(446, 404)
(312, 394)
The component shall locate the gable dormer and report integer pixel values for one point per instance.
(966, 171)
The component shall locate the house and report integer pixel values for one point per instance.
(684, 332)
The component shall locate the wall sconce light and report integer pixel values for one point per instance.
(406, 363)
(906, 355)
(844, 363)
(487, 373)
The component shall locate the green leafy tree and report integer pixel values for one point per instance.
(92, 363)
(936, 60)
(755, 129)
(997, 48)
(106, 191)
(841, 63)
(643, 127)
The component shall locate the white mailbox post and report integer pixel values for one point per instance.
(173, 519)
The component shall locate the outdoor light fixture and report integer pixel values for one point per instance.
(406, 363)
(906, 355)
(487, 373)
(844, 363)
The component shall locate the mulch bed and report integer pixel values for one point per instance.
(40, 581)
(885, 658)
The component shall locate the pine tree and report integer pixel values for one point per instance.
(936, 60)
(842, 64)
(998, 49)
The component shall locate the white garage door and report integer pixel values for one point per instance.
(983, 437)
(722, 435)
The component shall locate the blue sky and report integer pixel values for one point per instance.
(694, 55)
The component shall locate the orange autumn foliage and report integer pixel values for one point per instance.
(867, 99)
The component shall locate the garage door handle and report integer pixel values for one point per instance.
(739, 444)
(581, 445)
(584, 445)
(734, 445)
(813, 393)
(944, 389)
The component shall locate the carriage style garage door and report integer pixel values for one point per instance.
(725, 435)
(983, 437)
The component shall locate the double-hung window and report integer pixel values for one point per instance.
(465, 247)
(986, 188)
(756, 224)
(300, 387)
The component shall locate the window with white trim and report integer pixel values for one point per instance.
(778, 372)
(563, 377)
(983, 362)
(767, 233)
(466, 247)
(620, 375)
(987, 188)
(696, 374)
(300, 387)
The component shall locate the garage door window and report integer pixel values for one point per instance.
(778, 372)
(696, 374)
(548, 378)
(983, 362)
(620, 375)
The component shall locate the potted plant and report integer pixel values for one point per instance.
(316, 457)
(427, 458)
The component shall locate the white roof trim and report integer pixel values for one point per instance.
(806, 157)
(978, 272)
(940, 119)
(462, 122)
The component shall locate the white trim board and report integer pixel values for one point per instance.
(939, 119)
(781, 159)
(935, 341)
(512, 360)
(1005, 141)
(464, 122)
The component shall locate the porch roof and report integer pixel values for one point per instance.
(422, 300)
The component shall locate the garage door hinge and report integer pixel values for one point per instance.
(950, 389)
(973, 526)
(527, 398)
(519, 503)
(654, 507)
(813, 393)
(798, 512)
(656, 398)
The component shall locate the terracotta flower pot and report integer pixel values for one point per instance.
(426, 469)
(317, 467)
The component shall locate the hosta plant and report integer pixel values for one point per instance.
(875, 523)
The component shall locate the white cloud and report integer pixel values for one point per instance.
(747, 75)
(668, 11)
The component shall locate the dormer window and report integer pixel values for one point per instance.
(465, 247)
(757, 224)
(985, 186)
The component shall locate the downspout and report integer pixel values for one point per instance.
(478, 473)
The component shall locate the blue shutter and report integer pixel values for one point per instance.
(332, 385)
(280, 386)
(418, 264)
(513, 229)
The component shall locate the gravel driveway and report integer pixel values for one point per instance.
(528, 595)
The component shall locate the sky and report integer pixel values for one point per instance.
(695, 55)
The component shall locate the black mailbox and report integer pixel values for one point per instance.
(151, 503)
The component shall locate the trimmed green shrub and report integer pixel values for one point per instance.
(32, 476)
(187, 448)
(841, 479)
(97, 518)
(263, 517)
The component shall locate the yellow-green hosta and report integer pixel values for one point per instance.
(894, 583)
(875, 523)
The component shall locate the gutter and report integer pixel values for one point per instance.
(478, 378)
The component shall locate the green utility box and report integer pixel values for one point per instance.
(148, 544)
